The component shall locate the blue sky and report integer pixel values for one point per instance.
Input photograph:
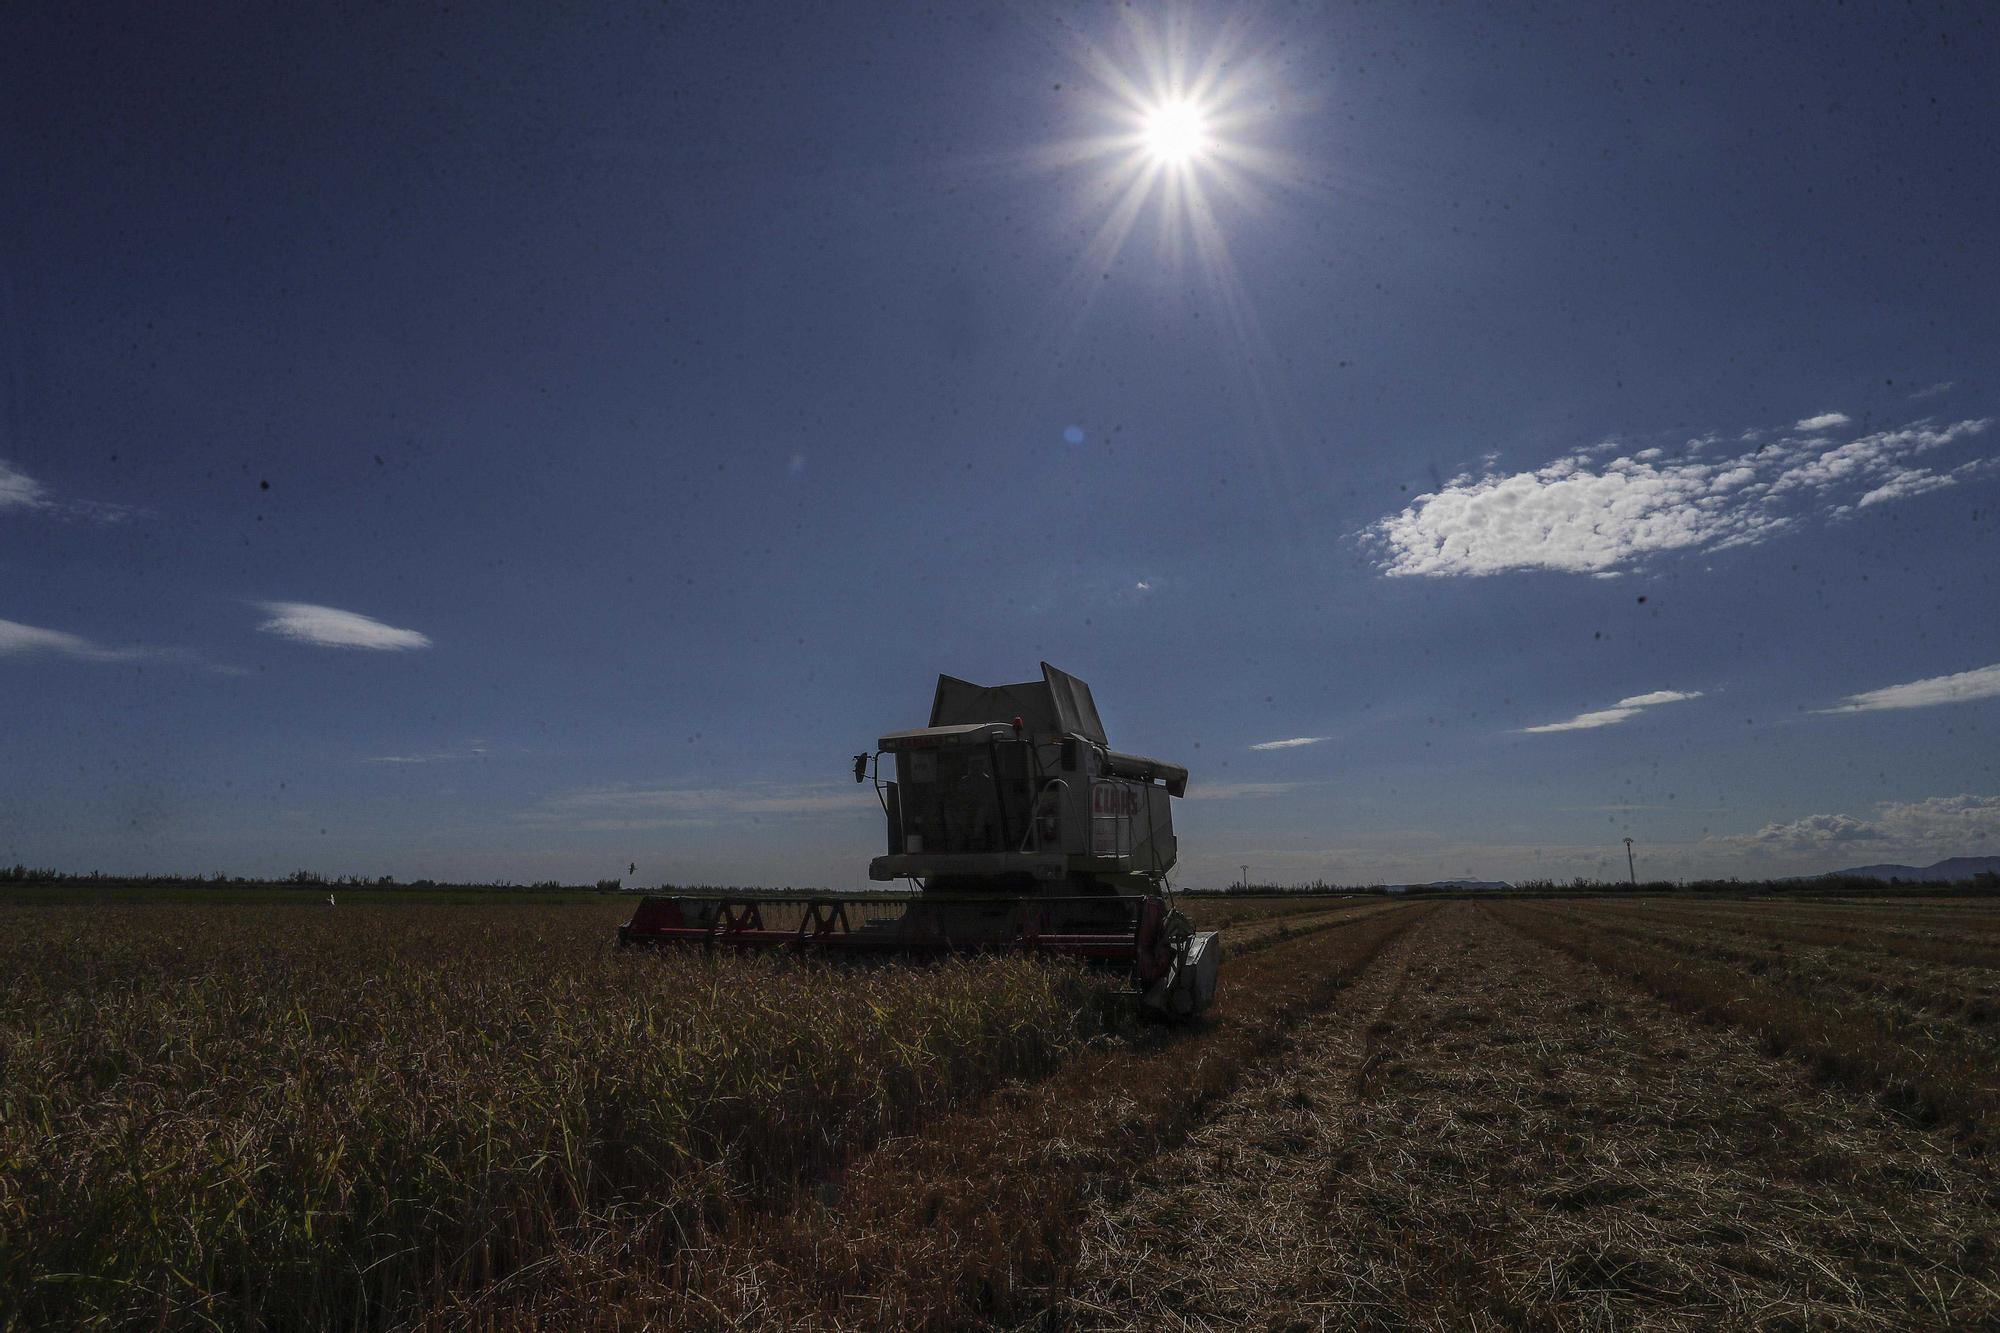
(520, 444)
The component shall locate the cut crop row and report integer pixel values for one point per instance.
(1961, 943)
(1865, 1047)
(1956, 1003)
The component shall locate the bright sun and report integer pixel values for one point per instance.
(1171, 130)
(1176, 133)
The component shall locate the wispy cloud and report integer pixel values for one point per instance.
(1942, 386)
(1583, 515)
(613, 808)
(327, 627)
(18, 640)
(475, 750)
(1658, 697)
(19, 491)
(1961, 687)
(1906, 482)
(1618, 712)
(1292, 744)
(1603, 717)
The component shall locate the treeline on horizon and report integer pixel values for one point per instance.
(1985, 883)
(21, 875)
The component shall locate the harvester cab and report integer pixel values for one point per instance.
(1019, 828)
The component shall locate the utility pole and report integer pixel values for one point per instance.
(1630, 867)
(1246, 879)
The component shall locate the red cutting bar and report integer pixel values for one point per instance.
(826, 927)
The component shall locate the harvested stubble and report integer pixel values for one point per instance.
(1869, 1046)
(1965, 939)
(1510, 1139)
(1236, 912)
(1264, 929)
(305, 1117)
(974, 1220)
(1218, 1231)
(1956, 1002)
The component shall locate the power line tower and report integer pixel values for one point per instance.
(1246, 879)
(1631, 868)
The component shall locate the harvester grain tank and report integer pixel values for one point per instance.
(1019, 828)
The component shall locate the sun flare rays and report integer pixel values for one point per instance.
(1171, 136)
(1178, 135)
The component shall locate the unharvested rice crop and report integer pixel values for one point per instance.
(307, 1116)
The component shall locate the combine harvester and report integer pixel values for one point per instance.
(1022, 830)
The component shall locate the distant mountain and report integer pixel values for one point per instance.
(1952, 868)
(1454, 884)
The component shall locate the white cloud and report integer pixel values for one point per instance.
(1814, 833)
(1659, 697)
(18, 490)
(1603, 717)
(1962, 687)
(1824, 421)
(303, 622)
(1619, 712)
(1942, 386)
(1291, 744)
(1954, 823)
(475, 750)
(1580, 515)
(1921, 831)
(1908, 482)
(18, 640)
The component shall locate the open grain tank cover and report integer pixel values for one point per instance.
(1074, 705)
(1056, 704)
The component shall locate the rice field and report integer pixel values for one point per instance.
(1557, 1113)
(295, 1116)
